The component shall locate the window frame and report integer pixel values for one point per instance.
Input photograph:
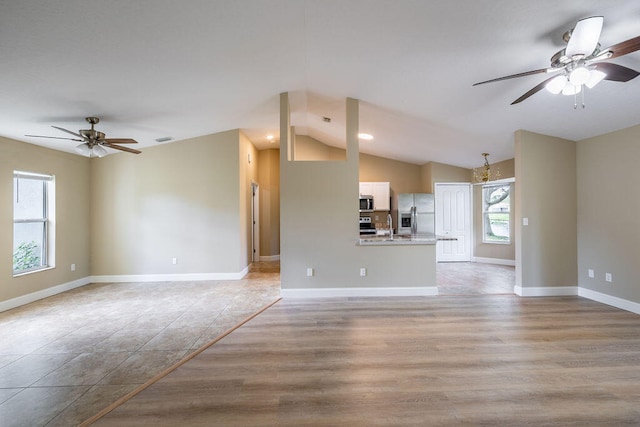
(48, 194)
(486, 212)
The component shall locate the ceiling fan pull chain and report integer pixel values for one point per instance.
(575, 100)
(582, 91)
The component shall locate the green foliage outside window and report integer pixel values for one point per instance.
(26, 256)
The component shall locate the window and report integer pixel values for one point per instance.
(32, 234)
(496, 213)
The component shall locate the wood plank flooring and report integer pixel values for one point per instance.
(447, 360)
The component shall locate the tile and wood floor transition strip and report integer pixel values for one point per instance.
(172, 368)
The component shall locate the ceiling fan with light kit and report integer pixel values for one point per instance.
(93, 141)
(581, 63)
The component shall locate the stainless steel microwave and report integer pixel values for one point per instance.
(366, 203)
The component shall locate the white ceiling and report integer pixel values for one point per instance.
(157, 68)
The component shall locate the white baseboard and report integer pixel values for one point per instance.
(359, 292)
(45, 293)
(545, 291)
(620, 303)
(270, 258)
(169, 277)
(509, 262)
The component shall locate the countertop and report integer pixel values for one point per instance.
(402, 239)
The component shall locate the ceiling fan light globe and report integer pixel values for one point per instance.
(99, 151)
(595, 77)
(556, 85)
(579, 76)
(571, 89)
(83, 149)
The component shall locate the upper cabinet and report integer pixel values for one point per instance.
(381, 193)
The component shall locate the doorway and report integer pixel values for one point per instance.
(255, 222)
(458, 270)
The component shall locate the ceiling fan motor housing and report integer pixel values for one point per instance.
(92, 135)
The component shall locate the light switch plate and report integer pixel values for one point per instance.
(525, 221)
(591, 273)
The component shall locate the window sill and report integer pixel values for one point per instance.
(26, 273)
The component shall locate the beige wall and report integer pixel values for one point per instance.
(319, 213)
(402, 177)
(269, 179)
(72, 184)
(609, 213)
(433, 172)
(310, 149)
(546, 250)
(177, 200)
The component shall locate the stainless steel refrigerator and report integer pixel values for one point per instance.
(416, 213)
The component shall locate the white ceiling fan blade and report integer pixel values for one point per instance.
(585, 36)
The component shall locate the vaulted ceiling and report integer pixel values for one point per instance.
(164, 68)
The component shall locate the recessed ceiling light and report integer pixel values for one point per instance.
(270, 137)
(365, 136)
(164, 139)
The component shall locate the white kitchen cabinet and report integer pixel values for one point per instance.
(381, 193)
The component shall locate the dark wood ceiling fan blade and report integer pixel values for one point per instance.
(513, 76)
(68, 131)
(121, 141)
(623, 48)
(616, 73)
(533, 90)
(117, 147)
(55, 137)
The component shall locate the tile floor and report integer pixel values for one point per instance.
(472, 278)
(65, 358)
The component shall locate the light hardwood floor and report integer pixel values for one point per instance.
(448, 360)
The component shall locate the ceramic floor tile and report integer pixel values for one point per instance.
(25, 341)
(86, 369)
(71, 344)
(35, 406)
(7, 393)
(173, 339)
(5, 359)
(96, 333)
(126, 340)
(141, 366)
(90, 403)
(30, 368)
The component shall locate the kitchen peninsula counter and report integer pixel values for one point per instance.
(402, 240)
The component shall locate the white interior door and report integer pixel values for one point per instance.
(453, 219)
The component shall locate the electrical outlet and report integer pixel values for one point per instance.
(363, 272)
(607, 277)
(525, 221)
(174, 261)
(309, 272)
(73, 267)
(591, 273)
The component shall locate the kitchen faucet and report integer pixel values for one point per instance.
(390, 225)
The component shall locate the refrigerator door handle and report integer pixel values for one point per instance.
(414, 220)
